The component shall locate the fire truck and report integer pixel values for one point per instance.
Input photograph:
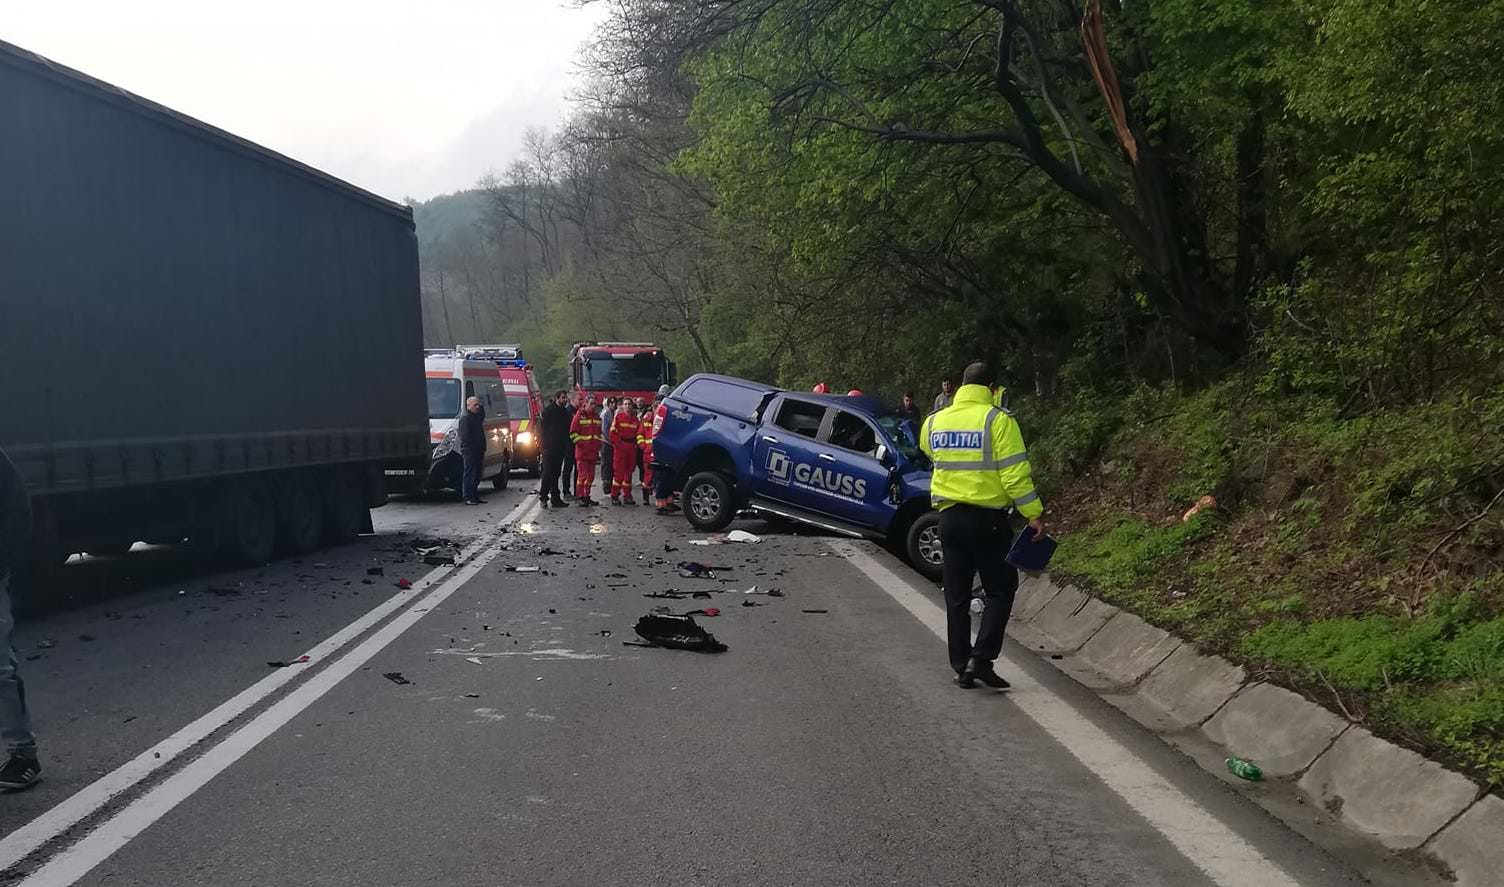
(524, 400)
(619, 369)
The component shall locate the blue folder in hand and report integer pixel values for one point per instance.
(1029, 554)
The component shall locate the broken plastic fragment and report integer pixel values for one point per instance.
(396, 677)
(742, 536)
(677, 633)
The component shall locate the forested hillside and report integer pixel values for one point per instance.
(1245, 250)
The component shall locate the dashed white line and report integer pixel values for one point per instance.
(1203, 839)
(90, 799)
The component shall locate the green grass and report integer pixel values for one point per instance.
(1346, 553)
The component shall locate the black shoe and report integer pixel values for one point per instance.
(662, 512)
(559, 503)
(984, 672)
(966, 680)
(472, 501)
(629, 501)
(19, 773)
(543, 502)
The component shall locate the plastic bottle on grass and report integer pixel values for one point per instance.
(1244, 769)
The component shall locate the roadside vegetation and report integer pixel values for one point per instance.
(1241, 250)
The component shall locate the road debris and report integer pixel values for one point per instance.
(472, 695)
(814, 611)
(225, 590)
(475, 659)
(677, 633)
(772, 592)
(751, 604)
(375, 571)
(1244, 769)
(695, 570)
(395, 677)
(439, 560)
(521, 569)
(281, 664)
(404, 583)
(742, 536)
(705, 542)
(46, 644)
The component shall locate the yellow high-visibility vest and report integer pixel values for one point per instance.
(979, 456)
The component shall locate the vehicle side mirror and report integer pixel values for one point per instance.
(884, 455)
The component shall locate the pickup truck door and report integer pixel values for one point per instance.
(786, 451)
(852, 439)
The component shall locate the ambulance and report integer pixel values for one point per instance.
(452, 378)
(524, 401)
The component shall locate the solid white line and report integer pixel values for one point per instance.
(1207, 842)
(89, 799)
(79, 859)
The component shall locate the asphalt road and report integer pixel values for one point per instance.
(530, 745)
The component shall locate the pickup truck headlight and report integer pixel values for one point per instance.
(446, 446)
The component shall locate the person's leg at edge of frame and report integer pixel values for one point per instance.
(957, 547)
(21, 770)
(548, 485)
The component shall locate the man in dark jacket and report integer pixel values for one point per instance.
(553, 429)
(472, 436)
(21, 769)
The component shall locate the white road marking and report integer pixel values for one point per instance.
(32, 836)
(1207, 842)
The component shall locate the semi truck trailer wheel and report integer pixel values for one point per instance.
(245, 521)
(300, 512)
(344, 506)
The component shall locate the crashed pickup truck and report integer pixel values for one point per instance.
(845, 464)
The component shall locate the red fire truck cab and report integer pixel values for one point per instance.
(619, 369)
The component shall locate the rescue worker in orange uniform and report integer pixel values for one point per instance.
(645, 443)
(624, 431)
(585, 434)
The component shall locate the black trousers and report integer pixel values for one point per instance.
(976, 540)
(607, 467)
(566, 475)
(553, 464)
(470, 481)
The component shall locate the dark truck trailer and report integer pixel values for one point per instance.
(199, 338)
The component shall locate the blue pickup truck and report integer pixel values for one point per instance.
(845, 464)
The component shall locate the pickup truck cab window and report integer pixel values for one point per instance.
(800, 416)
(851, 432)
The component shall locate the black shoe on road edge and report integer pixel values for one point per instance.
(979, 670)
(19, 773)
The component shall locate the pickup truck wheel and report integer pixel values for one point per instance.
(708, 502)
(923, 545)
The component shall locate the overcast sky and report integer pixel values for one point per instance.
(401, 97)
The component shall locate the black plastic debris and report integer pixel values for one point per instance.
(703, 595)
(549, 552)
(669, 595)
(667, 547)
(375, 571)
(46, 644)
(281, 664)
(677, 633)
(814, 611)
(694, 570)
(396, 677)
(438, 560)
(605, 632)
(751, 604)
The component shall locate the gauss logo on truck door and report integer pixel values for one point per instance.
(779, 466)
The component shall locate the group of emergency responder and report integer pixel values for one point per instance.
(617, 436)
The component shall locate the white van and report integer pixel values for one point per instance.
(451, 380)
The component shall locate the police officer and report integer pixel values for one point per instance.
(981, 469)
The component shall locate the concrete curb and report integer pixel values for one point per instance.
(1378, 790)
(1473, 846)
(1277, 728)
(1391, 794)
(1033, 594)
